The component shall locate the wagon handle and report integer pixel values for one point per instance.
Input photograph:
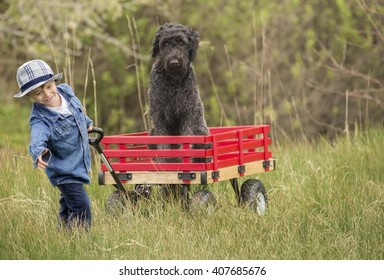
(94, 141)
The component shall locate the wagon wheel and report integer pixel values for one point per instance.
(253, 194)
(202, 200)
(117, 202)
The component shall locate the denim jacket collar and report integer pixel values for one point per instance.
(46, 113)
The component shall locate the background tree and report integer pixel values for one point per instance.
(307, 67)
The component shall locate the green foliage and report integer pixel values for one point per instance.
(254, 57)
(14, 126)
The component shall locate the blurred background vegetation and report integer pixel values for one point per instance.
(309, 68)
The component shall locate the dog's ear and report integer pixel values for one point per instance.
(194, 39)
(156, 42)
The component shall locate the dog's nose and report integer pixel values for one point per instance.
(174, 62)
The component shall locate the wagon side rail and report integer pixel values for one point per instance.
(232, 152)
(241, 151)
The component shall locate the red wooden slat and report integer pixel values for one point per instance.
(143, 166)
(131, 139)
(155, 153)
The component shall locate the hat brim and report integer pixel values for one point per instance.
(56, 78)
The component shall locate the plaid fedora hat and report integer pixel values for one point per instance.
(33, 74)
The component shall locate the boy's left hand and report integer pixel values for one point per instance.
(40, 162)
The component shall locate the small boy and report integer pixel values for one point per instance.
(59, 139)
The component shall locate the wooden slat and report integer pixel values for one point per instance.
(171, 177)
(153, 178)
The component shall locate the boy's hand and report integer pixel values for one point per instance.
(90, 128)
(40, 163)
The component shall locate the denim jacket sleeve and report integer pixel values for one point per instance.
(40, 134)
(89, 121)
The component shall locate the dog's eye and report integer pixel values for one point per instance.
(180, 41)
(165, 43)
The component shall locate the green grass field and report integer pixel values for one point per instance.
(326, 201)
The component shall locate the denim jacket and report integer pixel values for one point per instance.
(66, 139)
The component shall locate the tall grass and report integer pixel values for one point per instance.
(326, 201)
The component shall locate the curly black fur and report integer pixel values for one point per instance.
(175, 104)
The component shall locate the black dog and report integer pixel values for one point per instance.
(175, 104)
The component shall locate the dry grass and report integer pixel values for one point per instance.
(326, 202)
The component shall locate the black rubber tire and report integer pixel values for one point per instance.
(254, 195)
(117, 202)
(202, 199)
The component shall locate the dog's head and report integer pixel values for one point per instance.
(176, 45)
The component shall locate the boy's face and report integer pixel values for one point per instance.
(46, 95)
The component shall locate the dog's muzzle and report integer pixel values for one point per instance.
(175, 64)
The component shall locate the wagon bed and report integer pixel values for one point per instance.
(235, 151)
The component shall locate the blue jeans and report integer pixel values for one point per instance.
(75, 206)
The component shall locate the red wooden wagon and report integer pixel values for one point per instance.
(144, 161)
